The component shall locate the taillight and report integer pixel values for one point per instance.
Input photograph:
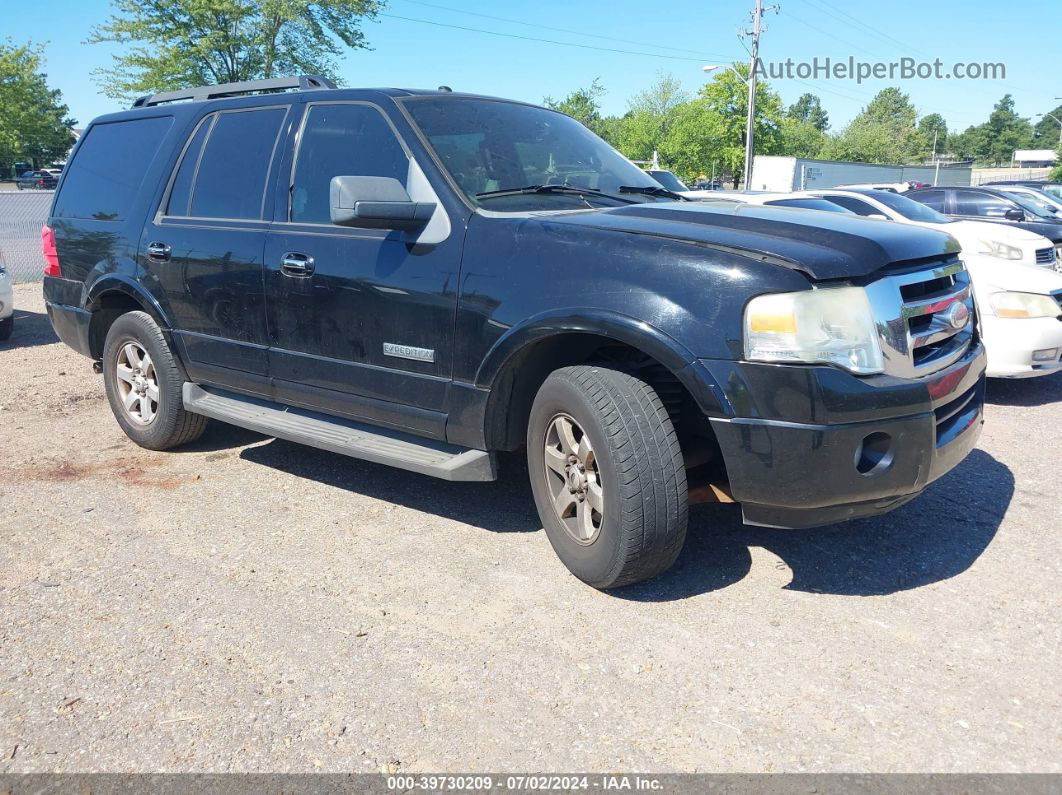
(51, 256)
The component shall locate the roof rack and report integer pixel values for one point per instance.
(302, 83)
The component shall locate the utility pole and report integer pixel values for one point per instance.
(754, 62)
(936, 162)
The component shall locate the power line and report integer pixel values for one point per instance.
(869, 29)
(573, 32)
(790, 15)
(543, 41)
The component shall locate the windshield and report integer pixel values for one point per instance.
(1054, 190)
(1030, 205)
(668, 180)
(492, 145)
(909, 208)
(810, 204)
(1042, 200)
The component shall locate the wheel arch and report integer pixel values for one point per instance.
(112, 296)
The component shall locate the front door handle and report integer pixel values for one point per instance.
(295, 264)
(160, 252)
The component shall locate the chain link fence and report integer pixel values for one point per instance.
(22, 214)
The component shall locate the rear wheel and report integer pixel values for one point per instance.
(607, 475)
(144, 384)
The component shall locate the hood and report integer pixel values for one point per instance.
(990, 275)
(822, 245)
(982, 230)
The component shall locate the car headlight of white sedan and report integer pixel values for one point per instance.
(1026, 305)
(997, 248)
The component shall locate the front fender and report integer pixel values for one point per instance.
(638, 334)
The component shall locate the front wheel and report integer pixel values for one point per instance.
(607, 475)
(144, 383)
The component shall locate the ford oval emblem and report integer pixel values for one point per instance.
(957, 315)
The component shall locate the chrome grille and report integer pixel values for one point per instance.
(1045, 256)
(925, 318)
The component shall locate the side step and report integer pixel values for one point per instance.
(346, 437)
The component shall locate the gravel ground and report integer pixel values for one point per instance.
(251, 605)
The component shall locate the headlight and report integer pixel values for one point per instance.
(1010, 304)
(995, 248)
(828, 326)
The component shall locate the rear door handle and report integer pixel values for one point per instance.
(158, 251)
(295, 264)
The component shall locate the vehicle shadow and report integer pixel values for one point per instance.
(31, 329)
(935, 537)
(1024, 391)
(504, 506)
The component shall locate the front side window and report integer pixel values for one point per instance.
(933, 199)
(231, 178)
(103, 180)
(984, 205)
(341, 140)
(490, 147)
(856, 206)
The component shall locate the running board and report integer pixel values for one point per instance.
(346, 437)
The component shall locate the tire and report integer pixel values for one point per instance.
(631, 466)
(7, 325)
(156, 418)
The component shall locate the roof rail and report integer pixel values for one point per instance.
(199, 93)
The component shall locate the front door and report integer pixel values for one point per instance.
(361, 321)
(203, 251)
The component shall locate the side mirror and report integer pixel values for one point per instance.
(1014, 214)
(376, 203)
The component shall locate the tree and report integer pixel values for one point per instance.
(1006, 131)
(179, 43)
(883, 132)
(1046, 133)
(651, 115)
(34, 125)
(583, 105)
(801, 138)
(711, 128)
(933, 128)
(809, 108)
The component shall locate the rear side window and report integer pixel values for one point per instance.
(931, 198)
(341, 140)
(231, 178)
(181, 193)
(102, 181)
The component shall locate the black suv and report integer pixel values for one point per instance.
(423, 278)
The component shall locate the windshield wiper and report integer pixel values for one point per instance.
(663, 193)
(561, 189)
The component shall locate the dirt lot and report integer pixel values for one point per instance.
(248, 604)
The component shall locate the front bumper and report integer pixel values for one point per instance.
(1012, 341)
(7, 297)
(815, 445)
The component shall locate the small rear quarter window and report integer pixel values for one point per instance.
(103, 180)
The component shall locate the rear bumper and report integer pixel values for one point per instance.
(815, 445)
(1011, 343)
(70, 321)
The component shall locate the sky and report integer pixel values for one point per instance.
(677, 36)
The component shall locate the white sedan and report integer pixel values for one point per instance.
(1018, 292)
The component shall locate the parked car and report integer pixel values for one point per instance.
(7, 302)
(1013, 276)
(40, 180)
(1041, 198)
(1054, 188)
(777, 199)
(478, 275)
(995, 206)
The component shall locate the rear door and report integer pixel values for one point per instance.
(361, 320)
(203, 248)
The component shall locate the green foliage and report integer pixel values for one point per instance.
(932, 126)
(34, 126)
(994, 142)
(809, 109)
(583, 105)
(801, 138)
(648, 123)
(885, 131)
(179, 43)
(1046, 133)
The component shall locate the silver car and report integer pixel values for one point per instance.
(7, 302)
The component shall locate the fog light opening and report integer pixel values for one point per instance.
(1045, 355)
(874, 454)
